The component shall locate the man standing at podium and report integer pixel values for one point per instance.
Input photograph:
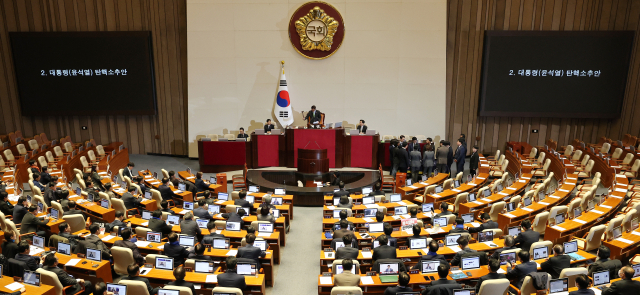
(313, 116)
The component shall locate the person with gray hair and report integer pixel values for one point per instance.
(188, 226)
(266, 202)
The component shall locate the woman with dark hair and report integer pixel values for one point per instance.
(265, 215)
(96, 178)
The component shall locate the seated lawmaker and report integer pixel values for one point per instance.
(554, 265)
(242, 199)
(509, 241)
(388, 230)
(626, 285)
(384, 251)
(494, 266)
(201, 185)
(519, 271)
(403, 285)
(458, 226)
(230, 278)
(347, 278)
(604, 263)
(444, 210)
(377, 190)
(583, 282)
(344, 203)
(463, 243)
(362, 128)
(443, 273)
(487, 223)
(527, 236)
(347, 251)
(432, 254)
(198, 253)
(241, 134)
(314, 116)
(133, 272)
(174, 250)
(179, 273)
(269, 126)
(344, 230)
(343, 216)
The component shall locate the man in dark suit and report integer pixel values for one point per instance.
(461, 153)
(130, 201)
(474, 161)
(201, 185)
(388, 230)
(377, 190)
(343, 216)
(36, 182)
(45, 177)
(509, 241)
(554, 265)
(444, 210)
(242, 200)
(49, 193)
(458, 226)
(520, 271)
(604, 263)
(117, 222)
(441, 157)
(347, 251)
(583, 282)
(198, 253)
(269, 126)
(449, 156)
(128, 171)
(65, 232)
(527, 236)
(126, 243)
(413, 144)
(51, 264)
(443, 272)
(174, 250)
(134, 275)
(494, 266)
(63, 199)
(313, 116)
(208, 239)
(235, 217)
(138, 180)
(165, 206)
(362, 128)
(165, 190)
(174, 180)
(403, 285)
(341, 192)
(625, 286)
(32, 262)
(30, 223)
(230, 278)
(463, 243)
(156, 223)
(487, 223)
(20, 210)
(179, 273)
(202, 212)
(392, 148)
(402, 157)
(432, 254)
(241, 134)
(98, 244)
(251, 252)
(72, 209)
(5, 206)
(188, 226)
(343, 231)
(384, 251)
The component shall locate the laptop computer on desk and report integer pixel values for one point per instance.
(601, 279)
(389, 272)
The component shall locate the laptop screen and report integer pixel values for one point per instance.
(508, 257)
(485, 236)
(276, 213)
(418, 243)
(487, 192)
(511, 206)
(94, 255)
(38, 241)
(636, 268)
(438, 189)
(186, 240)
(168, 292)
(470, 262)
(279, 191)
(370, 212)
(368, 200)
(187, 206)
(376, 227)
(601, 278)
(182, 187)
(147, 195)
(527, 202)
(246, 269)
(265, 227)
(202, 223)
(104, 203)
(340, 270)
(514, 231)
(339, 244)
(617, 232)
(276, 201)
(570, 247)
(540, 253)
(54, 213)
(427, 207)
(366, 190)
(203, 266)
(164, 263)
(262, 244)
(220, 243)
(471, 197)
(577, 212)
(64, 248)
(559, 285)
(336, 201)
(154, 237)
(173, 219)
(464, 292)
(223, 196)
(401, 210)
(336, 213)
(451, 240)
(468, 218)
(146, 215)
(31, 278)
(559, 218)
(254, 188)
(388, 268)
(213, 209)
(430, 266)
(634, 223)
(441, 221)
(395, 198)
(233, 226)
(456, 183)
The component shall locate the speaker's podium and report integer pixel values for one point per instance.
(313, 161)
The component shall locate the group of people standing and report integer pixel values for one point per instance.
(427, 159)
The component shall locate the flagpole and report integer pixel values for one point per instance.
(282, 65)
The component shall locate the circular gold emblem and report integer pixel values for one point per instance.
(316, 30)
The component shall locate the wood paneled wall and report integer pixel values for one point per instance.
(467, 21)
(163, 133)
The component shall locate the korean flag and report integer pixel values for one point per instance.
(282, 109)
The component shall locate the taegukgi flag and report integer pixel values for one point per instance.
(283, 103)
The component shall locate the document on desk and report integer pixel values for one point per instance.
(434, 231)
(596, 211)
(212, 279)
(107, 238)
(522, 181)
(366, 280)
(177, 191)
(35, 250)
(401, 203)
(367, 254)
(486, 200)
(371, 206)
(264, 234)
(526, 209)
(73, 262)
(504, 194)
(232, 252)
(455, 249)
(475, 224)
(500, 270)
(326, 281)
(367, 219)
(331, 207)
(636, 233)
(554, 196)
(413, 187)
(142, 243)
(596, 290)
(558, 228)
(543, 203)
(564, 190)
(184, 211)
(580, 221)
(15, 286)
(624, 240)
(146, 223)
(455, 190)
(605, 206)
(145, 270)
(509, 215)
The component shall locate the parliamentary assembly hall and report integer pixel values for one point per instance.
(335, 147)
